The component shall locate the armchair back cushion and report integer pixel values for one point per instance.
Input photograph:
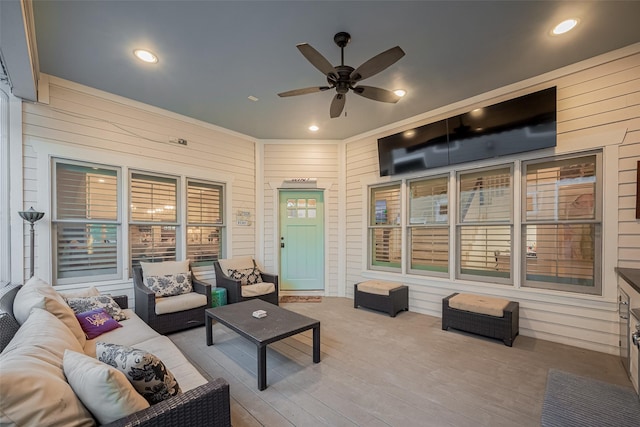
(164, 268)
(239, 263)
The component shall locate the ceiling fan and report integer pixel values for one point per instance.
(343, 77)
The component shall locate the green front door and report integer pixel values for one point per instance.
(301, 240)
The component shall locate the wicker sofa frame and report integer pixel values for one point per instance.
(234, 288)
(395, 302)
(145, 307)
(205, 406)
(503, 328)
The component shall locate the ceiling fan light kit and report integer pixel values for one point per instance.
(343, 78)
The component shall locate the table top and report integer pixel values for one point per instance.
(278, 324)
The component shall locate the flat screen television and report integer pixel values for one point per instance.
(522, 124)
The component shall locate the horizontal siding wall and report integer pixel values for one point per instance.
(89, 125)
(302, 160)
(595, 106)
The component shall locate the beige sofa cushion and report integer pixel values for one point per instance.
(103, 389)
(164, 268)
(133, 331)
(164, 349)
(34, 389)
(257, 289)
(182, 302)
(82, 293)
(490, 306)
(378, 287)
(37, 293)
(238, 263)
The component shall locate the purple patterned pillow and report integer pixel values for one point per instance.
(96, 322)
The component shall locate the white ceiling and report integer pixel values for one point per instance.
(214, 54)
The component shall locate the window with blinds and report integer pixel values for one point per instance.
(484, 225)
(153, 218)
(86, 223)
(205, 222)
(428, 228)
(561, 224)
(385, 232)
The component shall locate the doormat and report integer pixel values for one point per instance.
(574, 401)
(296, 298)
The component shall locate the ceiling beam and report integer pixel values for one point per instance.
(18, 51)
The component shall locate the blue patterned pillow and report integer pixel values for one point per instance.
(146, 372)
(246, 276)
(170, 284)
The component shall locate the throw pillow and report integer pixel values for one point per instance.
(96, 322)
(80, 305)
(145, 371)
(246, 276)
(104, 390)
(170, 284)
(37, 293)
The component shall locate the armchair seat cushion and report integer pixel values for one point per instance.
(180, 303)
(262, 288)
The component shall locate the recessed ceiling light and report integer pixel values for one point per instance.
(313, 128)
(252, 98)
(146, 56)
(564, 26)
(400, 92)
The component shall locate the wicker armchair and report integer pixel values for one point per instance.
(234, 287)
(170, 322)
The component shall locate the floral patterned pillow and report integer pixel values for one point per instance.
(81, 305)
(170, 284)
(246, 276)
(146, 372)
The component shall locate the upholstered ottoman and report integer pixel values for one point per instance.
(487, 316)
(380, 295)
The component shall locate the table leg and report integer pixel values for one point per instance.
(316, 344)
(208, 327)
(262, 367)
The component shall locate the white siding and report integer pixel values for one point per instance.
(595, 106)
(89, 125)
(306, 159)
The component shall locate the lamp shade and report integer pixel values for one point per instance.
(31, 215)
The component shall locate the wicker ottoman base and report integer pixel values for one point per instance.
(504, 328)
(395, 302)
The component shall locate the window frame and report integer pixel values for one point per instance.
(177, 224)
(371, 228)
(222, 224)
(55, 222)
(597, 221)
(410, 226)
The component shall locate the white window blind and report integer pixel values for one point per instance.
(429, 225)
(484, 224)
(153, 215)
(385, 233)
(204, 222)
(86, 223)
(562, 224)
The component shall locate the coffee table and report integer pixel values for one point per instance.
(278, 324)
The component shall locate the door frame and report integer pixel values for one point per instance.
(276, 237)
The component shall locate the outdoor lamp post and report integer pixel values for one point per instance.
(31, 216)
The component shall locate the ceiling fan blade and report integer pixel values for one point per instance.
(376, 93)
(337, 105)
(304, 91)
(377, 64)
(317, 60)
